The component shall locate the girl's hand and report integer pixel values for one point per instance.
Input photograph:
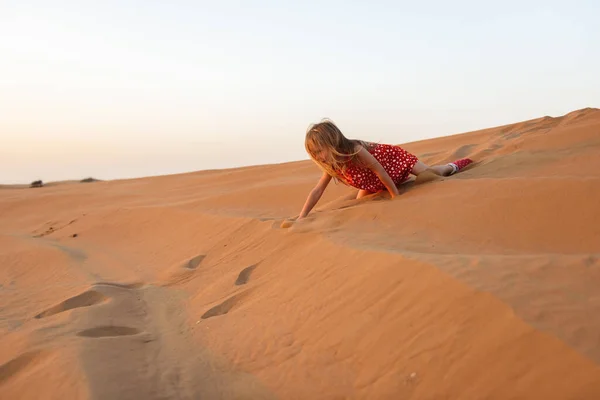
(315, 195)
(287, 224)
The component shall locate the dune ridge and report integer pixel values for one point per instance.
(479, 285)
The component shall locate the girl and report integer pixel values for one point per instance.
(369, 167)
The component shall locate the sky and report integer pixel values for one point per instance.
(119, 89)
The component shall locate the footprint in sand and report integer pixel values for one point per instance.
(244, 275)
(492, 148)
(85, 299)
(182, 271)
(194, 262)
(17, 364)
(108, 331)
(224, 307)
(463, 151)
(135, 285)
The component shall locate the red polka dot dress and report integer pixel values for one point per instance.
(397, 162)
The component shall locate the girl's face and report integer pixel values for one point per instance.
(320, 146)
(321, 154)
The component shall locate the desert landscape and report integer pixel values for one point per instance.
(482, 285)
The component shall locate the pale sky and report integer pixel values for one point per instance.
(115, 89)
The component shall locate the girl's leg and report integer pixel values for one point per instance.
(362, 193)
(441, 170)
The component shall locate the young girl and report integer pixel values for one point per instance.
(369, 167)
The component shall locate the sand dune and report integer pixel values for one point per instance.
(483, 285)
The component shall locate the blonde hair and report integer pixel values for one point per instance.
(325, 135)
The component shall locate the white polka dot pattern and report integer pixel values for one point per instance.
(397, 162)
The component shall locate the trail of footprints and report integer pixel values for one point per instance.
(98, 294)
(225, 306)
(104, 292)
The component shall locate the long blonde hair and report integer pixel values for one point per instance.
(325, 135)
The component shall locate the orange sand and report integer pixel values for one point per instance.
(483, 285)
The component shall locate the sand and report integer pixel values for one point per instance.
(483, 285)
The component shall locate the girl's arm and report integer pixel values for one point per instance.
(374, 165)
(315, 195)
